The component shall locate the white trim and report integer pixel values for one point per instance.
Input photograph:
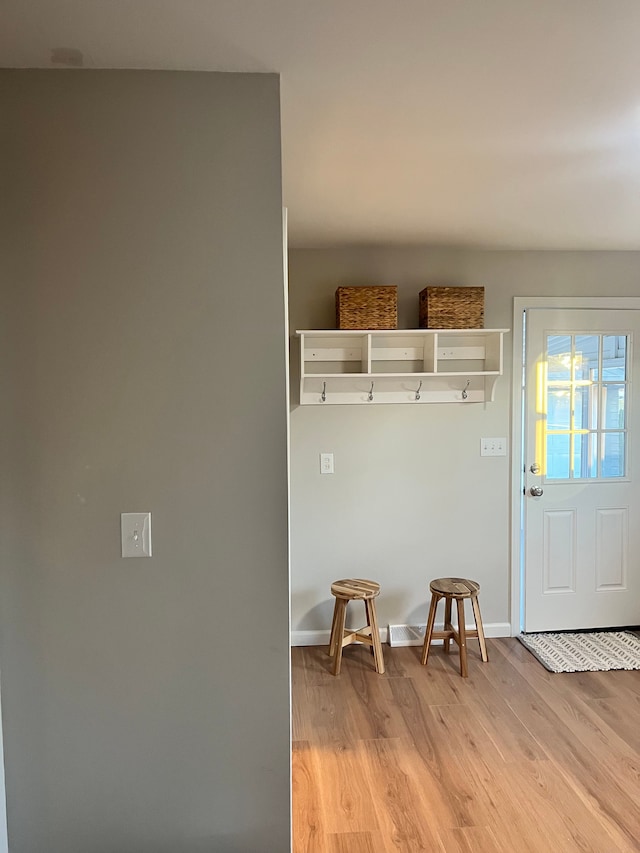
(287, 403)
(4, 838)
(598, 303)
(321, 638)
(517, 462)
(520, 305)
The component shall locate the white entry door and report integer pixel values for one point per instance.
(581, 516)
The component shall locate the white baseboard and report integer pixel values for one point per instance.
(321, 638)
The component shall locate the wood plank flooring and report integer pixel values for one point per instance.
(513, 759)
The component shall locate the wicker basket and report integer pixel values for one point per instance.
(452, 308)
(367, 307)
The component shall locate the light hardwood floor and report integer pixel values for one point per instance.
(513, 759)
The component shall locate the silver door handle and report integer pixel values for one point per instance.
(535, 468)
(536, 491)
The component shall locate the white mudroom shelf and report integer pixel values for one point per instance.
(399, 366)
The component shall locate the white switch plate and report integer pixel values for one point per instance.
(326, 463)
(493, 447)
(135, 529)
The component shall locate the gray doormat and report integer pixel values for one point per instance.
(584, 652)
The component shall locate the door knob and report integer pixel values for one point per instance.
(536, 491)
(535, 468)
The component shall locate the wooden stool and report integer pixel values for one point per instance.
(345, 591)
(458, 589)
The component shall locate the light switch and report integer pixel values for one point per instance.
(135, 528)
(326, 463)
(493, 447)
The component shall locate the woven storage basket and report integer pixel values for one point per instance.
(452, 308)
(367, 307)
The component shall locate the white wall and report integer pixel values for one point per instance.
(145, 702)
(411, 498)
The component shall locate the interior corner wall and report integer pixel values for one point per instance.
(145, 701)
(411, 499)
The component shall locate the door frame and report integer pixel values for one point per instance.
(521, 304)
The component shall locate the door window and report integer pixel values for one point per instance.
(582, 392)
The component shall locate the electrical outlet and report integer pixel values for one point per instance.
(493, 447)
(326, 463)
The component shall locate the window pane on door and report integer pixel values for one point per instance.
(613, 462)
(585, 407)
(592, 456)
(559, 357)
(558, 408)
(614, 357)
(586, 357)
(613, 406)
(557, 457)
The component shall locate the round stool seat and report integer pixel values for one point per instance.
(455, 587)
(355, 588)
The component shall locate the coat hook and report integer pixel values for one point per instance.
(323, 396)
(371, 393)
(418, 391)
(464, 391)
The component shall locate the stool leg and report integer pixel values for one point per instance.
(332, 639)
(376, 645)
(339, 636)
(429, 629)
(481, 641)
(447, 623)
(368, 615)
(462, 633)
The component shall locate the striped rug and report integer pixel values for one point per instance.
(598, 651)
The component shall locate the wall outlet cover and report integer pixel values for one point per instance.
(326, 463)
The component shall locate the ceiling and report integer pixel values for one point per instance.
(497, 123)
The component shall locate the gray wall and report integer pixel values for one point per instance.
(411, 498)
(145, 702)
